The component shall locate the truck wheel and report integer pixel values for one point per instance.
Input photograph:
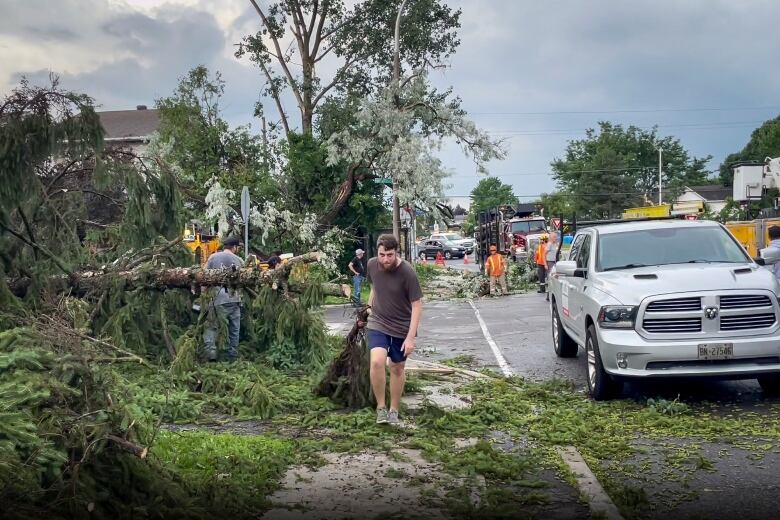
(600, 384)
(448, 255)
(770, 384)
(565, 347)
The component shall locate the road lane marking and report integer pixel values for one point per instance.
(505, 368)
(600, 503)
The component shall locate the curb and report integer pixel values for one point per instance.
(589, 486)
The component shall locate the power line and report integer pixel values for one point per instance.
(629, 111)
(564, 194)
(528, 174)
(690, 126)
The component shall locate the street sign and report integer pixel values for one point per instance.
(556, 222)
(245, 216)
(245, 203)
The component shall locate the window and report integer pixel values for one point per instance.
(575, 247)
(583, 255)
(537, 226)
(520, 227)
(665, 246)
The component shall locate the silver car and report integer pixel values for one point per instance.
(466, 243)
(665, 299)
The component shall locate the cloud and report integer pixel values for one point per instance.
(536, 73)
(521, 65)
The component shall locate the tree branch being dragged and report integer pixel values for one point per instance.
(347, 381)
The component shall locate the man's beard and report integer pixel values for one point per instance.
(391, 268)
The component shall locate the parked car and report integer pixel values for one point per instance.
(665, 299)
(430, 248)
(468, 243)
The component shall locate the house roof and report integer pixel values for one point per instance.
(130, 125)
(711, 192)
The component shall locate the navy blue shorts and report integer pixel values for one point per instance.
(377, 339)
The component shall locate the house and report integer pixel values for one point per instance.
(130, 128)
(714, 196)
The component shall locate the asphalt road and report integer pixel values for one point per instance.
(460, 263)
(519, 327)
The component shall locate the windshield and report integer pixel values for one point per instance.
(667, 246)
(453, 236)
(526, 227)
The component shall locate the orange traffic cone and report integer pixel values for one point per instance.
(465, 259)
(439, 258)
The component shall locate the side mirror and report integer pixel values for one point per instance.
(770, 255)
(580, 272)
(566, 268)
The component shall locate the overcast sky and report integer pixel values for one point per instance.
(536, 73)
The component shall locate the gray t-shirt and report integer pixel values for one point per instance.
(552, 251)
(225, 259)
(393, 294)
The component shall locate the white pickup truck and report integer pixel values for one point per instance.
(665, 299)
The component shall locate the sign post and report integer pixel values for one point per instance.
(245, 216)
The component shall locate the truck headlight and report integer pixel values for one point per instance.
(617, 317)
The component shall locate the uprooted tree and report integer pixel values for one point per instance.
(92, 277)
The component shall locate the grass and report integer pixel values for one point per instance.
(544, 415)
(233, 473)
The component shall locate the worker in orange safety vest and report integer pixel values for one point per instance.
(495, 268)
(541, 263)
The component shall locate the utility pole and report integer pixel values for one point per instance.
(396, 84)
(265, 145)
(660, 173)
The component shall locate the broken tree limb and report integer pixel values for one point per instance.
(180, 278)
(135, 449)
(347, 380)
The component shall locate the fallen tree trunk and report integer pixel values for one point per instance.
(180, 278)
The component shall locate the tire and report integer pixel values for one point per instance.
(770, 384)
(601, 386)
(565, 347)
(422, 256)
(448, 255)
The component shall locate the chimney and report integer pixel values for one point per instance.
(140, 107)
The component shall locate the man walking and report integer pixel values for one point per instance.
(224, 305)
(358, 273)
(541, 264)
(551, 256)
(495, 268)
(396, 308)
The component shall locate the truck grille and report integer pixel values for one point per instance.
(675, 305)
(744, 300)
(672, 325)
(751, 321)
(710, 315)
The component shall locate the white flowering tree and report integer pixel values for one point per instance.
(397, 136)
(397, 132)
(297, 232)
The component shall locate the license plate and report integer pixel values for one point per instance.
(716, 351)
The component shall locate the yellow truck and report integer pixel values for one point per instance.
(662, 210)
(201, 245)
(753, 234)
